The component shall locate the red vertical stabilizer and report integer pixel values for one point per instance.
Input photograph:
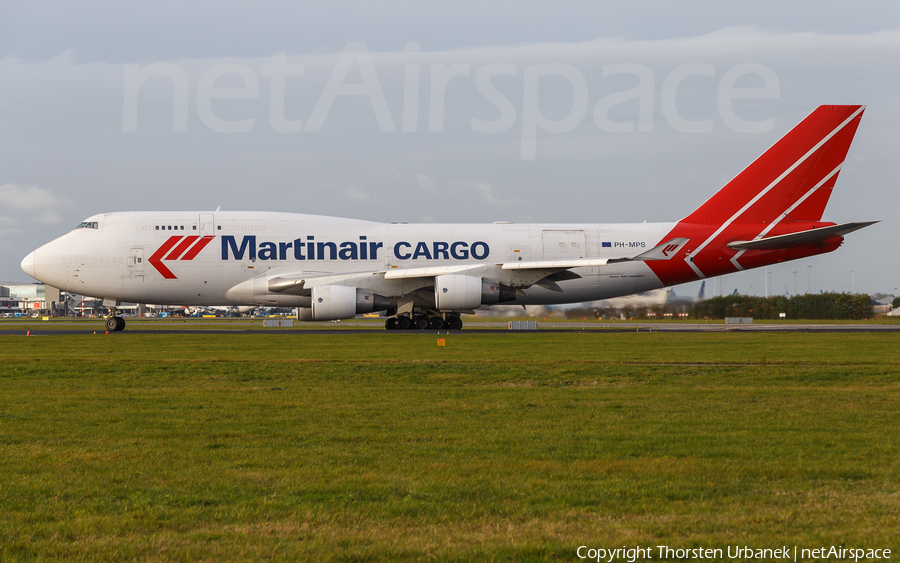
(783, 191)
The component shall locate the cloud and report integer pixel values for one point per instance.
(28, 198)
(62, 127)
(426, 182)
(485, 192)
(29, 204)
(355, 194)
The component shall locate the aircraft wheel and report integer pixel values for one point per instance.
(436, 323)
(454, 323)
(403, 323)
(421, 323)
(121, 324)
(390, 323)
(112, 324)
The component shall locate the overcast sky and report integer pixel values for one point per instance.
(448, 112)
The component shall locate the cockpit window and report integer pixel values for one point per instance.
(88, 225)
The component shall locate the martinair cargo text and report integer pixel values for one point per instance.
(428, 275)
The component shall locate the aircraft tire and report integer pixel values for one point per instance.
(454, 323)
(421, 323)
(436, 323)
(390, 323)
(403, 323)
(121, 324)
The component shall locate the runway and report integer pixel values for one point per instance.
(243, 327)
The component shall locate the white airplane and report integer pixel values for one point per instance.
(427, 275)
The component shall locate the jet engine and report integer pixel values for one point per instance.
(454, 292)
(333, 302)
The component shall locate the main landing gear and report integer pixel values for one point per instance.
(114, 323)
(424, 322)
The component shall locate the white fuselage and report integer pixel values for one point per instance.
(153, 257)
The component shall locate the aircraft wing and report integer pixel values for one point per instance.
(302, 283)
(664, 251)
(403, 273)
(525, 273)
(781, 242)
(297, 283)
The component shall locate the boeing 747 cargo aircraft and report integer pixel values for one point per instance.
(428, 275)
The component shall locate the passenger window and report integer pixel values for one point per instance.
(157, 227)
(195, 227)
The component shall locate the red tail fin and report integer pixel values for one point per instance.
(791, 181)
(782, 192)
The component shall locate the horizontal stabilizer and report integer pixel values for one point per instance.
(797, 239)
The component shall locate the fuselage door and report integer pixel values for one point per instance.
(207, 224)
(136, 262)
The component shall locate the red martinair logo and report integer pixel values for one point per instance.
(187, 249)
(669, 248)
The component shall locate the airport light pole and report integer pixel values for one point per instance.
(809, 279)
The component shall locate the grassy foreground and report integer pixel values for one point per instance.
(506, 447)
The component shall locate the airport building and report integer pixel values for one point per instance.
(31, 299)
(38, 299)
(42, 300)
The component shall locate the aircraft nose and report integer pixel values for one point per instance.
(28, 264)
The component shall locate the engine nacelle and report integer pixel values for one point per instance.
(334, 302)
(453, 292)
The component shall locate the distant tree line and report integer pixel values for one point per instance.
(813, 306)
(809, 306)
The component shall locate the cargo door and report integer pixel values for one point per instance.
(561, 244)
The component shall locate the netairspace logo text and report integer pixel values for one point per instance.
(735, 552)
(497, 84)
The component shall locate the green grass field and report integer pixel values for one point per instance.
(500, 447)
